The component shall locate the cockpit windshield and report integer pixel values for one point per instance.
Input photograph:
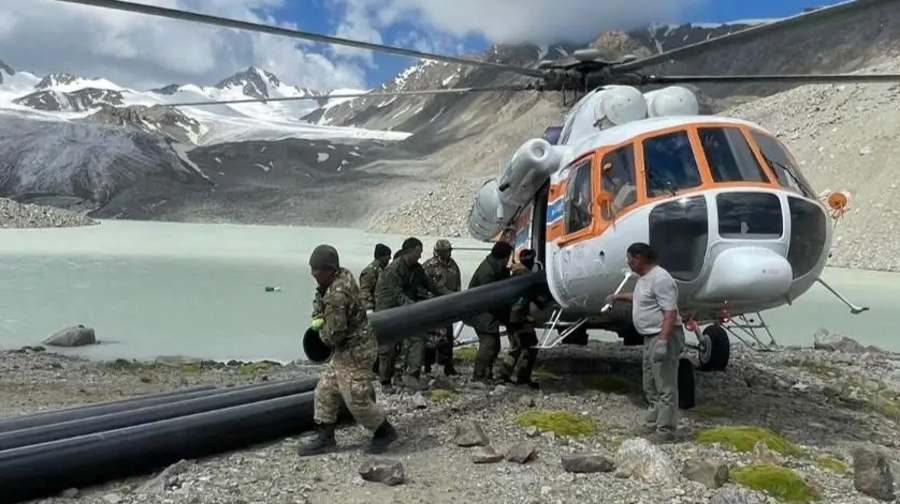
(669, 164)
(776, 156)
(729, 156)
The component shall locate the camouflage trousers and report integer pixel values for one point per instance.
(355, 387)
(439, 348)
(520, 358)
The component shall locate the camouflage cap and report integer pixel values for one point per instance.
(442, 245)
(325, 257)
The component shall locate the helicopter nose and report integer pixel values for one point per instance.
(747, 274)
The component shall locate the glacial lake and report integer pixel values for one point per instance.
(199, 290)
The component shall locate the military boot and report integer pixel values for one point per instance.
(322, 443)
(449, 370)
(384, 435)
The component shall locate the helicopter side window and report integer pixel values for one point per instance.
(729, 155)
(578, 198)
(618, 179)
(776, 156)
(669, 164)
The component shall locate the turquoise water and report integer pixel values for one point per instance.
(153, 289)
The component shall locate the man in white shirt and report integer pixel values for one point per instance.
(655, 316)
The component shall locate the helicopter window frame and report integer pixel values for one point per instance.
(626, 195)
(778, 158)
(661, 187)
(729, 155)
(580, 176)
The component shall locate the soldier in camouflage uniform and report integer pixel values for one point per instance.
(403, 282)
(519, 360)
(443, 270)
(487, 325)
(369, 277)
(340, 318)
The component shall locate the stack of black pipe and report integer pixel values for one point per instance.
(46, 453)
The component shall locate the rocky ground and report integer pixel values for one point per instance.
(17, 215)
(798, 425)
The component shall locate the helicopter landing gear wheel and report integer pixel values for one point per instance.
(713, 349)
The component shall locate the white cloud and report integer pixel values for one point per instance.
(512, 21)
(142, 51)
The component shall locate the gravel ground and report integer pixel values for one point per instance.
(825, 403)
(17, 215)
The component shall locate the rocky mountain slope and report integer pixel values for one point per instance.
(439, 203)
(91, 144)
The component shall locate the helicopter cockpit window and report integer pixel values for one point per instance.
(669, 164)
(618, 179)
(776, 156)
(578, 197)
(729, 156)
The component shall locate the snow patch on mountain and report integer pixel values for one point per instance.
(66, 97)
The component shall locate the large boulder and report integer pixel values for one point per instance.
(74, 336)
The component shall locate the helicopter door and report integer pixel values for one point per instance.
(570, 269)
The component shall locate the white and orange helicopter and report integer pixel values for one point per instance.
(722, 200)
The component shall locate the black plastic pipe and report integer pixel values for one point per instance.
(101, 408)
(399, 323)
(35, 471)
(148, 414)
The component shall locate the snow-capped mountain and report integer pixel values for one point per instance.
(67, 97)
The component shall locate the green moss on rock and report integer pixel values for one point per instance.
(252, 367)
(832, 464)
(563, 423)
(545, 373)
(743, 438)
(441, 395)
(465, 354)
(778, 481)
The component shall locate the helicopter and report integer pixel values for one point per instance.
(722, 200)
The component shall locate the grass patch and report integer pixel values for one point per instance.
(252, 367)
(441, 395)
(831, 463)
(544, 373)
(563, 423)
(778, 481)
(611, 384)
(885, 406)
(708, 411)
(743, 438)
(465, 354)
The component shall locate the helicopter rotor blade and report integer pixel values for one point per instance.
(746, 35)
(152, 10)
(391, 94)
(788, 78)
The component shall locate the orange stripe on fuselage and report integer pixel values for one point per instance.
(555, 232)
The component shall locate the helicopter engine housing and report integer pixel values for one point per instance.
(500, 198)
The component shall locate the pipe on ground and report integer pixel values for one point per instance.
(399, 323)
(35, 471)
(88, 410)
(223, 399)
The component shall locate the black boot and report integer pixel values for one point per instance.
(322, 443)
(449, 370)
(384, 435)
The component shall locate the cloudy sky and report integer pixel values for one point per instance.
(45, 36)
